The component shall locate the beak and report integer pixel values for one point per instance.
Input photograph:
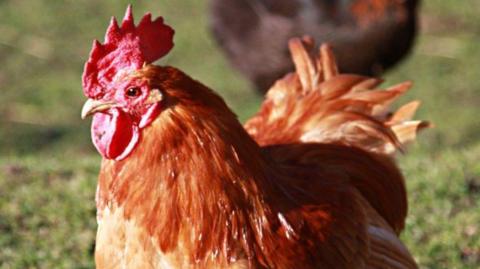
(92, 106)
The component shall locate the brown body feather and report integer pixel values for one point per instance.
(200, 191)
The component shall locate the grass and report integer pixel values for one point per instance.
(48, 166)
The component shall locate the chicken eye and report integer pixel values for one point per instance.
(133, 92)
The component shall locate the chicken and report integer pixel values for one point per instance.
(368, 36)
(309, 182)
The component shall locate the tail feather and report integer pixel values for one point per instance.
(317, 104)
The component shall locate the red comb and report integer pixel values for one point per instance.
(126, 48)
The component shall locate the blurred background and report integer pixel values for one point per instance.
(48, 166)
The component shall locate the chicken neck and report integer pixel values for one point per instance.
(195, 177)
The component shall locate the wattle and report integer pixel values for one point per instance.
(114, 133)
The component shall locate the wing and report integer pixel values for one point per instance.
(376, 177)
(386, 249)
(363, 196)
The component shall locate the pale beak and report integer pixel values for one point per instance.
(92, 106)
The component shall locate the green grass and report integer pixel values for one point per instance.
(47, 215)
(48, 166)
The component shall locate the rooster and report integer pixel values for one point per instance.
(368, 36)
(308, 182)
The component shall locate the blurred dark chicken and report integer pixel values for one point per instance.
(368, 36)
